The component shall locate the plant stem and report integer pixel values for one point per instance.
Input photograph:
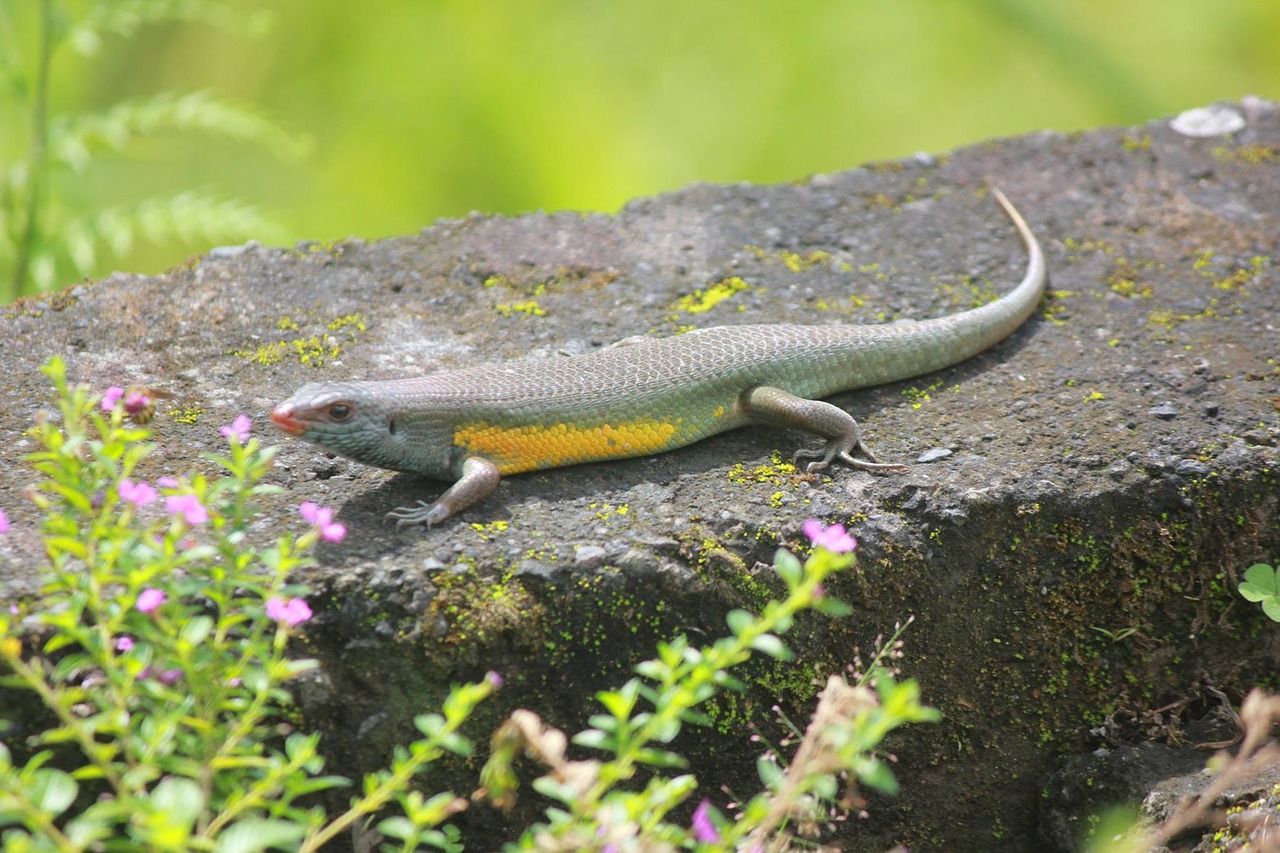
(37, 161)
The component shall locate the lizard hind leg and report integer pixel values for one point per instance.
(775, 406)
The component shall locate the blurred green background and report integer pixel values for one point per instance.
(410, 110)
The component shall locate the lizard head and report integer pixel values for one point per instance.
(351, 419)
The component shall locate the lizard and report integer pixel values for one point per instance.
(642, 396)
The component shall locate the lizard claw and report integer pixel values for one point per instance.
(423, 513)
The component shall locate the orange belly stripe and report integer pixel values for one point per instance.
(530, 447)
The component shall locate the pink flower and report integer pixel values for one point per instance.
(292, 612)
(494, 679)
(164, 676)
(188, 506)
(167, 483)
(322, 517)
(150, 598)
(124, 643)
(833, 538)
(703, 829)
(4, 522)
(237, 429)
(135, 403)
(139, 494)
(110, 397)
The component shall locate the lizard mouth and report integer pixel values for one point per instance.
(282, 416)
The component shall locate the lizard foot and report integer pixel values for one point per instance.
(834, 451)
(423, 513)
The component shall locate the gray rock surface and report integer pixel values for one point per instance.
(1073, 561)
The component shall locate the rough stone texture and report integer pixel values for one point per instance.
(1071, 565)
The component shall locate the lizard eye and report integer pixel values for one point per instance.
(340, 411)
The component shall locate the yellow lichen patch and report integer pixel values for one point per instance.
(1136, 143)
(188, 414)
(528, 448)
(1125, 278)
(603, 512)
(778, 472)
(355, 320)
(528, 308)
(1252, 155)
(708, 298)
(799, 263)
(493, 528)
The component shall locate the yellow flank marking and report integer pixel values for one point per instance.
(529, 448)
(718, 413)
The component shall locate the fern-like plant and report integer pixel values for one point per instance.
(47, 238)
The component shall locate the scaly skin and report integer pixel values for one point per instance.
(640, 397)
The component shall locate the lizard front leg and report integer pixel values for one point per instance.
(775, 406)
(478, 479)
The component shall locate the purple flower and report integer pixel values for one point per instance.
(167, 483)
(322, 517)
(292, 612)
(188, 506)
(4, 522)
(164, 676)
(494, 679)
(111, 397)
(150, 598)
(124, 643)
(833, 538)
(139, 494)
(237, 429)
(703, 829)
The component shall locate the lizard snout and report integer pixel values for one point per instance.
(284, 418)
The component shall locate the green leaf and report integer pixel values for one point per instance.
(770, 773)
(876, 774)
(771, 646)
(660, 758)
(457, 744)
(51, 790)
(832, 607)
(788, 567)
(254, 834)
(739, 621)
(604, 723)
(1253, 592)
(594, 739)
(429, 724)
(398, 827)
(1271, 607)
(196, 630)
(1263, 576)
(620, 702)
(180, 799)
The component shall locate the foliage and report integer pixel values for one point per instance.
(164, 658)
(1262, 584)
(46, 234)
(597, 810)
(159, 644)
